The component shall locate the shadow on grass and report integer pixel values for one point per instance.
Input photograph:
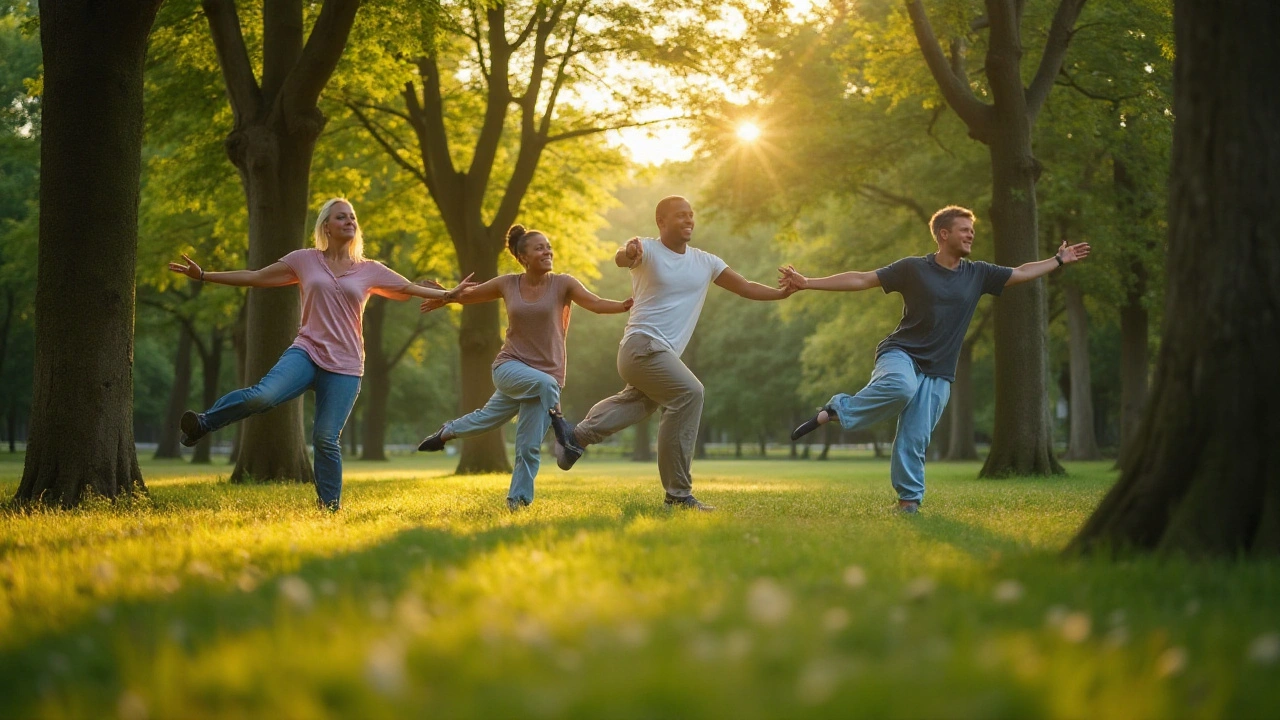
(84, 658)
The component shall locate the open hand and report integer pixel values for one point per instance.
(634, 250)
(626, 304)
(790, 278)
(461, 288)
(190, 269)
(1073, 253)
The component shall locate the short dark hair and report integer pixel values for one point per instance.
(946, 217)
(665, 203)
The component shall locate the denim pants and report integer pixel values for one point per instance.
(530, 393)
(291, 376)
(898, 387)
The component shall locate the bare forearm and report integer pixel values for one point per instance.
(756, 291)
(620, 258)
(422, 291)
(237, 278)
(1027, 272)
(601, 306)
(845, 282)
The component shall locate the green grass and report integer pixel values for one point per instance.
(804, 596)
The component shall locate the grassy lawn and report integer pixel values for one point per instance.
(804, 596)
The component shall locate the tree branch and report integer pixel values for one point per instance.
(884, 197)
(475, 28)
(237, 72)
(320, 56)
(957, 93)
(570, 134)
(1055, 49)
(373, 130)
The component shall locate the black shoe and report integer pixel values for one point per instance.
(516, 504)
(192, 429)
(687, 503)
(434, 442)
(566, 449)
(812, 423)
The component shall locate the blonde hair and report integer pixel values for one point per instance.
(946, 217)
(356, 248)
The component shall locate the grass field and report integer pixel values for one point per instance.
(804, 596)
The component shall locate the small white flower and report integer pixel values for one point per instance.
(855, 577)
(1265, 649)
(767, 602)
(920, 588)
(1076, 627)
(296, 592)
(384, 666)
(1007, 591)
(835, 619)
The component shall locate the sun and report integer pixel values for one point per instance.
(748, 131)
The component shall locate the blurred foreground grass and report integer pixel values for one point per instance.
(804, 596)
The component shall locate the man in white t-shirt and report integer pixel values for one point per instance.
(669, 281)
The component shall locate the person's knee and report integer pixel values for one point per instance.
(327, 439)
(692, 394)
(529, 453)
(899, 386)
(548, 390)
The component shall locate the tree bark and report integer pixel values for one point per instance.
(1134, 324)
(81, 437)
(479, 341)
(210, 371)
(239, 343)
(168, 446)
(1203, 476)
(276, 126)
(829, 437)
(962, 445)
(940, 439)
(376, 387)
(1083, 442)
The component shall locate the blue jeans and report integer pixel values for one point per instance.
(291, 376)
(530, 393)
(898, 387)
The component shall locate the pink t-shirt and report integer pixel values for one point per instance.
(332, 330)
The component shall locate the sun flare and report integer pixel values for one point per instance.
(748, 131)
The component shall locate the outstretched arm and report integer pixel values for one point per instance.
(738, 285)
(842, 282)
(1032, 270)
(276, 274)
(431, 289)
(596, 304)
(467, 293)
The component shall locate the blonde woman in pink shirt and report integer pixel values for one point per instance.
(530, 368)
(328, 355)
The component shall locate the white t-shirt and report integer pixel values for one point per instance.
(669, 289)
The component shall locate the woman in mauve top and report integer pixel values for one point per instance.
(328, 354)
(529, 370)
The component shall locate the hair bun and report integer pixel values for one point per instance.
(513, 238)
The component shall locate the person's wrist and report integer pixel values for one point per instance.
(1058, 257)
(202, 275)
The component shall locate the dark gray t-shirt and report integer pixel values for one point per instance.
(937, 306)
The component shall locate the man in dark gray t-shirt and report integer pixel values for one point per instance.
(916, 363)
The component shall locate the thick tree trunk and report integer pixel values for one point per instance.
(641, 450)
(829, 437)
(376, 386)
(1083, 442)
(1134, 358)
(1022, 438)
(479, 340)
(961, 445)
(274, 166)
(240, 344)
(1203, 475)
(700, 445)
(81, 436)
(210, 370)
(168, 446)
(940, 439)
(763, 441)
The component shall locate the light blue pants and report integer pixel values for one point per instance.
(291, 376)
(530, 393)
(897, 387)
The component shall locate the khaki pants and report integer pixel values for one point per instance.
(655, 379)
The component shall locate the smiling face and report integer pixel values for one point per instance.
(675, 220)
(536, 254)
(341, 226)
(957, 240)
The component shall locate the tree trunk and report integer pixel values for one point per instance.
(1203, 476)
(700, 445)
(737, 446)
(1022, 437)
(1134, 358)
(239, 343)
(210, 370)
(1083, 442)
(168, 446)
(961, 445)
(642, 452)
(875, 445)
(479, 340)
(830, 434)
(81, 435)
(274, 168)
(940, 439)
(763, 441)
(13, 429)
(377, 380)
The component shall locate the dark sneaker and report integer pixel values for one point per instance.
(516, 504)
(192, 429)
(564, 432)
(812, 423)
(434, 442)
(565, 458)
(687, 503)
(908, 507)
